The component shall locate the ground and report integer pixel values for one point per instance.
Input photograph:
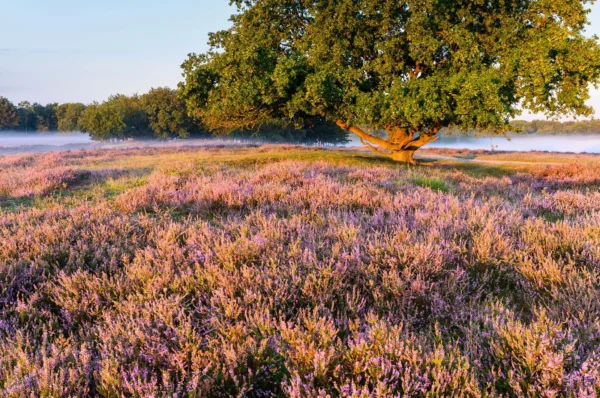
(289, 271)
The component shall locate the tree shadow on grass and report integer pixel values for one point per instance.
(427, 162)
(107, 184)
(383, 161)
(387, 162)
(477, 170)
(88, 187)
(12, 204)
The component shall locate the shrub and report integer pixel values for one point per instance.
(295, 278)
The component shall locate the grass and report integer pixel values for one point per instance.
(13, 204)
(434, 184)
(542, 157)
(552, 217)
(479, 170)
(113, 187)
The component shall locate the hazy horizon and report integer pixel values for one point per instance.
(20, 142)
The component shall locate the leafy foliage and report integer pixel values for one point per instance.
(28, 120)
(166, 112)
(160, 113)
(9, 118)
(68, 116)
(410, 67)
(117, 118)
(28, 117)
(46, 116)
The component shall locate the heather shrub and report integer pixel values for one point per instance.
(572, 174)
(45, 366)
(208, 277)
(530, 360)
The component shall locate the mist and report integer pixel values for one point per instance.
(18, 142)
(577, 143)
(13, 139)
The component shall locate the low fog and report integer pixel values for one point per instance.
(19, 138)
(16, 142)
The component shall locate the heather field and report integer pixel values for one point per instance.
(287, 271)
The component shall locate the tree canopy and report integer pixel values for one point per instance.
(408, 68)
(117, 118)
(27, 117)
(46, 116)
(68, 116)
(167, 114)
(9, 118)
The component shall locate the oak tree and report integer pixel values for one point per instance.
(394, 72)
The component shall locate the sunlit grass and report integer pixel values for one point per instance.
(434, 184)
(539, 157)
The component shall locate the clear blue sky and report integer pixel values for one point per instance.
(86, 50)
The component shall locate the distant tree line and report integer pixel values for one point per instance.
(160, 113)
(550, 127)
(27, 117)
(541, 127)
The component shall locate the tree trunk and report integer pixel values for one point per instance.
(404, 156)
(401, 146)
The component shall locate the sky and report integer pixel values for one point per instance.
(84, 51)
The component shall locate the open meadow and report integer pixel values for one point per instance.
(288, 271)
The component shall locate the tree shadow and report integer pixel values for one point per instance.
(80, 189)
(13, 204)
(477, 170)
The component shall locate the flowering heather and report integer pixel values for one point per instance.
(282, 271)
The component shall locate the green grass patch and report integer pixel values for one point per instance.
(552, 217)
(480, 170)
(116, 186)
(434, 184)
(10, 204)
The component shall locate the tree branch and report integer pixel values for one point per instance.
(407, 144)
(366, 136)
(414, 74)
(374, 148)
(399, 136)
(420, 141)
